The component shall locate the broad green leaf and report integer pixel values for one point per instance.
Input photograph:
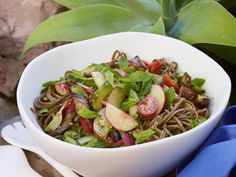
(83, 23)
(205, 21)
(225, 52)
(168, 12)
(182, 3)
(79, 3)
(157, 28)
(149, 9)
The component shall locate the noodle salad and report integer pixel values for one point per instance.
(121, 103)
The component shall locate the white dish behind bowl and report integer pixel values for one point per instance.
(141, 160)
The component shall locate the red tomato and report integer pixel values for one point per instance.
(147, 107)
(86, 125)
(155, 66)
(170, 82)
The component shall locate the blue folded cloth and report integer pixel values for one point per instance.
(217, 156)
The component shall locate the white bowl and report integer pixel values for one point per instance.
(149, 159)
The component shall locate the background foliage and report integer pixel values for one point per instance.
(206, 24)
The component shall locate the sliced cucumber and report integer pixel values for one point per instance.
(100, 94)
(101, 126)
(99, 78)
(133, 111)
(89, 68)
(116, 97)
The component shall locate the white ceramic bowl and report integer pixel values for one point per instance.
(149, 159)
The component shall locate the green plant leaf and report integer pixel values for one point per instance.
(157, 28)
(149, 9)
(205, 21)
(168, 12)
(79, 3)
(182, 3)
(83, 23)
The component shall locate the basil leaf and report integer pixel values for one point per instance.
(170, 96)
(79, 77)
(94, 142)
(133, 95)
(110, 78)
(123, 63)
(146, 87)
(198, 82)
(143, 136)
(86, 113)
(195, 123)
(132, 100)
(49, 83)
(136, 76)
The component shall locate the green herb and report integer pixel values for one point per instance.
(79, 77)
(195, 123)
(123, 63)
(71, 136)
(143, 135)
(110, 78)
(94, 142)
(132, 100)
(103, 67)
(146, 87)
(42, 111)
(170, 96)
(86, 113)
(137, 76)
(89, 68)
(78, 90)
(49, 83)
(197, 84)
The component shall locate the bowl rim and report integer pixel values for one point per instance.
(30, 125)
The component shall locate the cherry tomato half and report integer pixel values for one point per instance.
(155, 66)
(147, 107)
(170, 82)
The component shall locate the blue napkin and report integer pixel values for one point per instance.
(217, 156)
